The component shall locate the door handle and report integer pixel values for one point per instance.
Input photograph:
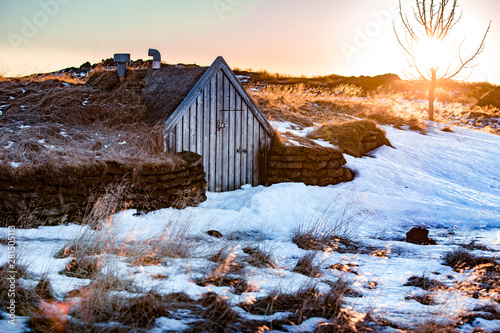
(241, 151)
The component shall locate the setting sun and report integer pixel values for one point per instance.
(432, 53)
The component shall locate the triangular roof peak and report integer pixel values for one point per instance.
(219, 64)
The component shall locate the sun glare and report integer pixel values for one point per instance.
(432, 53)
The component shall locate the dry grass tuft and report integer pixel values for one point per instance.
(25, 298)
(226, 258)
(136, 312)
(305, 266)
(238, 285)
(475, 246)
(461, 259)
(483, 274)
(306, 303)
(422, 298)
(217, 314)
(425, 283)
(83, 267)
(259, 257)
(317, 240)
(433, 327)
(171, 243)
(345, 268)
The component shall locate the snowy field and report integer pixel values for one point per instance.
(446, 182)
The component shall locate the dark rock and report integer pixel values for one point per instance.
(214, 233)
(419, 236)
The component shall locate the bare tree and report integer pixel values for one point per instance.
(434, 21)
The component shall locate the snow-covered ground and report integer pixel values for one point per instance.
(446, 182)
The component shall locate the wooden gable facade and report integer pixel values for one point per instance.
(218, 120)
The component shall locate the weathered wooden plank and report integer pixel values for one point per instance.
(220, 106)
(231, 138)
(178, 136)
(213, 133)
(262, 155)
(237, 143)
(256, 147)
(250, 152)
(170, 147)
(244, 140)
(192, 127)
(199, 124)
(185, 131)
(206, 131)
(225, 137)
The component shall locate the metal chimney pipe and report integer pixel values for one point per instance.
(122, 59)
(156, 58)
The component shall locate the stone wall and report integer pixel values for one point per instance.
(309, 165)
(43, 197)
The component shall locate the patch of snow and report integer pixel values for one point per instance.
(486, 325)
(443, 181)
(122, 143)
(244, 78)
(324, 143)
(293, 142)
(15, 165)
(24, 126)
(307, 326)
(164, 324)
(9, 145)
(64, 134)
(17, 326)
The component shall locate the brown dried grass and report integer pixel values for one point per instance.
(305, 266)
(52, 122)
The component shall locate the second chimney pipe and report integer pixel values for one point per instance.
(156, 58)
(122, 59)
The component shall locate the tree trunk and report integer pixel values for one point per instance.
(432, 87)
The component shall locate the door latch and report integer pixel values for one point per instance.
(241, 151)
(220, 125)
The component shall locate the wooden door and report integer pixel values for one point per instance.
(236, 153)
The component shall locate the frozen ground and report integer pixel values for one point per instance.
(447, 182)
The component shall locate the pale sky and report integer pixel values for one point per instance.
(310, 37)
